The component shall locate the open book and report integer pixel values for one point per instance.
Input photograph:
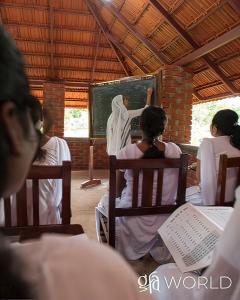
(191, 233)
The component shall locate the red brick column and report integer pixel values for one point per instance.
(176, 98)
(54, 98)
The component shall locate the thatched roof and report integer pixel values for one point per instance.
(84, 41)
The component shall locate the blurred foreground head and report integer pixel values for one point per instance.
(18, 139)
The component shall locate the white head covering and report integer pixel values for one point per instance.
(115, 125)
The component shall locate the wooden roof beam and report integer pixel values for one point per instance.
(208, 85)
(44, 54)
(51, 34)
(173, 23)
(189, 39)
(216, 6)
(35, 80)
(95, 56)
(60, 42)
(138, 35)
(211, 46)
(235, 4)
(218, 96)
(142, 12)
(75, 69)
(46, 26)
(46, 8)
(109, 37)
(121, 59)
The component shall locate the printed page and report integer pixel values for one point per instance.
(190, 237)
(217, 214)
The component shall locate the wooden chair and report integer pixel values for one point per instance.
(35, 174)
(224, 164)
(35, 232)
(146, 167)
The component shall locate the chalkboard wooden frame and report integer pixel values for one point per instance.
(136, 79)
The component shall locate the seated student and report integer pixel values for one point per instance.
(220, 281)
(226, 140)
(53, 151)
(136, 236)
(119, 123)
(55, 267)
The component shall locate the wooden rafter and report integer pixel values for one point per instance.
(189, 39)
(121, 59)
(136, 34)
(51, 34)
(176, 6)
(106, 32)
(35, 81)
(218, 96)
(45, 8)
(235, 4)
(75, 69)
(142, 12)
(211, 46)
(208, 85)
(96, 55)
(60, 42)
(216, 6)
(46, 26)
(59, 55)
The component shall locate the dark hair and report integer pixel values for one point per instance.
(36, 111)
(153, 121)
(226, 123)
(13, 87)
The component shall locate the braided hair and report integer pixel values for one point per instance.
(153, 121)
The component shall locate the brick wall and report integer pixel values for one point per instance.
(54, 99)
(176, 97)
(79, 149)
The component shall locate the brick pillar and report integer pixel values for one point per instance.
(54, 98)
(176, 98)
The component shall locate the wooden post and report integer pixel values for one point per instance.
(91, 182)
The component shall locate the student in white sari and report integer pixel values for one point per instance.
(136, 236)
(226, 140)
(55, 267)
(226, 263)
(119, 123)
(53, 152)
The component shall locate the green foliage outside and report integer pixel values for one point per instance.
(76, 122)
(202, 115)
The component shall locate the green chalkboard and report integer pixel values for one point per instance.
(101, 96)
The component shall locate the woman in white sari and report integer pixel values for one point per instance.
(137, 236)
(53, 152)
(119, 123)
(226, 140)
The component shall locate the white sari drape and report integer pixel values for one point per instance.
(116, 132)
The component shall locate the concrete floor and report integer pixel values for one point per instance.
(84, 202)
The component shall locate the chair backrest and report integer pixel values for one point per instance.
(35, 174)
(224, 164)
(147, 168)
(34, 232)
